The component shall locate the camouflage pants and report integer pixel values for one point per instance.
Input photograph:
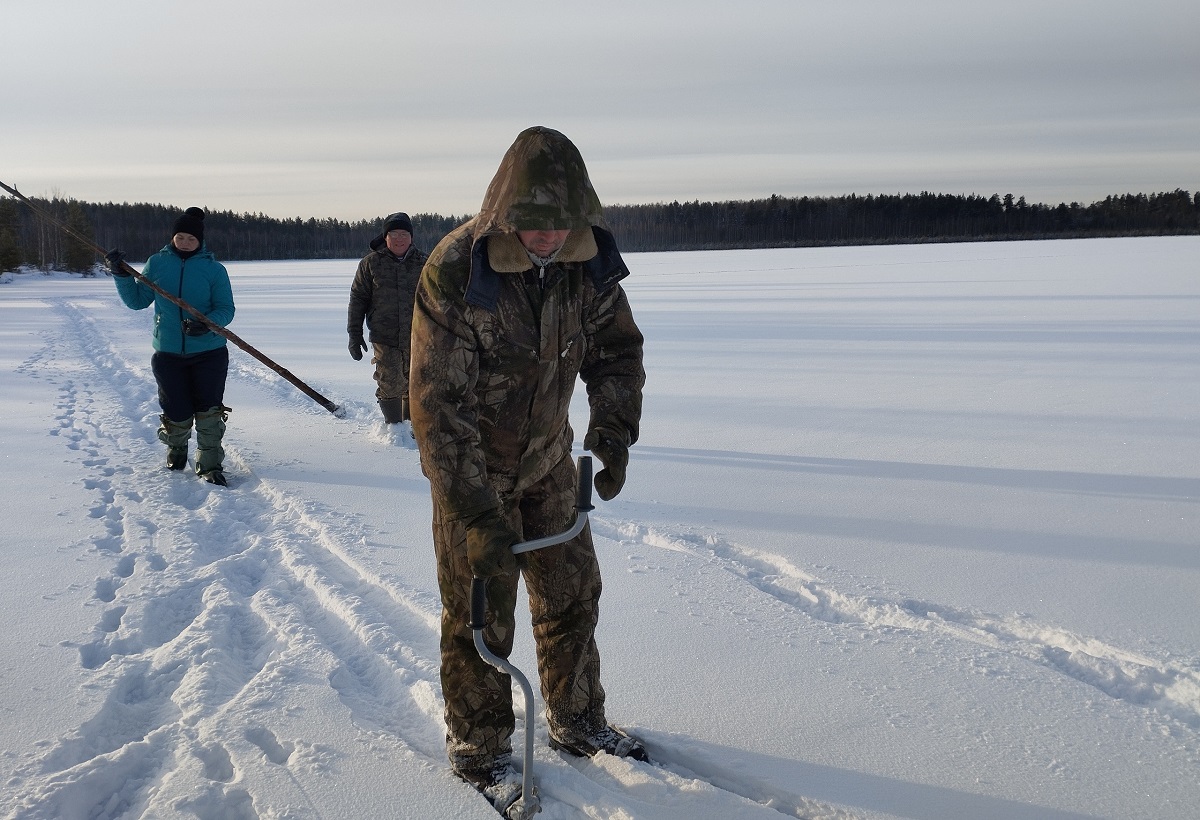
(391, 371)
(563, 582)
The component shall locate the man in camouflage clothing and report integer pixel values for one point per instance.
(512, 307)
(382, 293)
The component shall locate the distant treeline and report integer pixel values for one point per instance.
(783, 222)
(141, 229)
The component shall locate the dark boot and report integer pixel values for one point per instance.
(393, 410)
(610, 739)
(499, 783)
(175, 434)
(210, 429)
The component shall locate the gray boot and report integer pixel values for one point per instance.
(175, 434)
(210, 429)
(394, 410)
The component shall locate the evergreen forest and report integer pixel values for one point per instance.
(27, 239)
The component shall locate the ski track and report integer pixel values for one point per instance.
(192, 563)
(220, 600)
(271, 574)
(1170, 690)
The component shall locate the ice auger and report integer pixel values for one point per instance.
(527, 804)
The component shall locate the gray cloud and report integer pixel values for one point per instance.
(359, 108)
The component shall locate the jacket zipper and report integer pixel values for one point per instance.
(179, 293)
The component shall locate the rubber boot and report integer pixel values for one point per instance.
(175, 434)
(210, 429)
(393, 410)
(404, 415)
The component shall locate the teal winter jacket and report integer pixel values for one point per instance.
(200, 280)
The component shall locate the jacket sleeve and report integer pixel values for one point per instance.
(221, 293)
(132, 292)
(612, 367)
(444, 370)
(360, 299)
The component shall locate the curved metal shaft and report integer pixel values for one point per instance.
(528, 804)
(528, 801)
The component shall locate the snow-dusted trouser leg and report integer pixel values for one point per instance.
(391, 371)
(564, 585)
(564, 590)
(528, 805)
(210, 429)
(175, 434)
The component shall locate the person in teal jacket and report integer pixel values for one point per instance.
(190, 361)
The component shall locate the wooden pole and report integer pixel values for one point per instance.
(184, 306)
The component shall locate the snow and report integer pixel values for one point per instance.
(910, 532)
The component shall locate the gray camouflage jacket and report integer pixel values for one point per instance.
(382, 293)
(497, 342)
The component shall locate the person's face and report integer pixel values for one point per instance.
(185, 242)
(398, 241)
(542, 243)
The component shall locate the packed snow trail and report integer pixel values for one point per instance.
(270, 649)
(220, 600)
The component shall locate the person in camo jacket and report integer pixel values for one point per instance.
(382, 294)
(512, 306)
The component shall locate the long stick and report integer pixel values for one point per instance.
(215, 328)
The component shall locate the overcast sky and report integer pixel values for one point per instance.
(352, 109)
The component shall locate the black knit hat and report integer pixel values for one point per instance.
(398, 221)
(191, 222)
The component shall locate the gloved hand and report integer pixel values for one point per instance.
(358, 346)
(114, 260)
(615, 457)
(193, 327)
(489, 545)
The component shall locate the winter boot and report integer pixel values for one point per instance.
(586, 743)
(175, 434)
(405, 416)
(210, 429)
(393, 410)
(412, 434)
(499, 783)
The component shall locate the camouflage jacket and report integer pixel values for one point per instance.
(382, 293)
(497, 344)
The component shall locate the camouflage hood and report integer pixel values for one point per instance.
(541, 185)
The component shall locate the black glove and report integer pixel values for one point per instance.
(115, 260)
(357, 346)
(489, 545)
(615, 457)
(193, 327)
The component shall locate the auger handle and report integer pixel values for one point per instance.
(478, 603)
(583, 505)
(528, 802)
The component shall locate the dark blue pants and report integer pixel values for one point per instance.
(188, 385)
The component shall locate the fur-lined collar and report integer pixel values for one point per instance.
(506, 254)
(597, 250)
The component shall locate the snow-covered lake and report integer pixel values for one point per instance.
(911, 532)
